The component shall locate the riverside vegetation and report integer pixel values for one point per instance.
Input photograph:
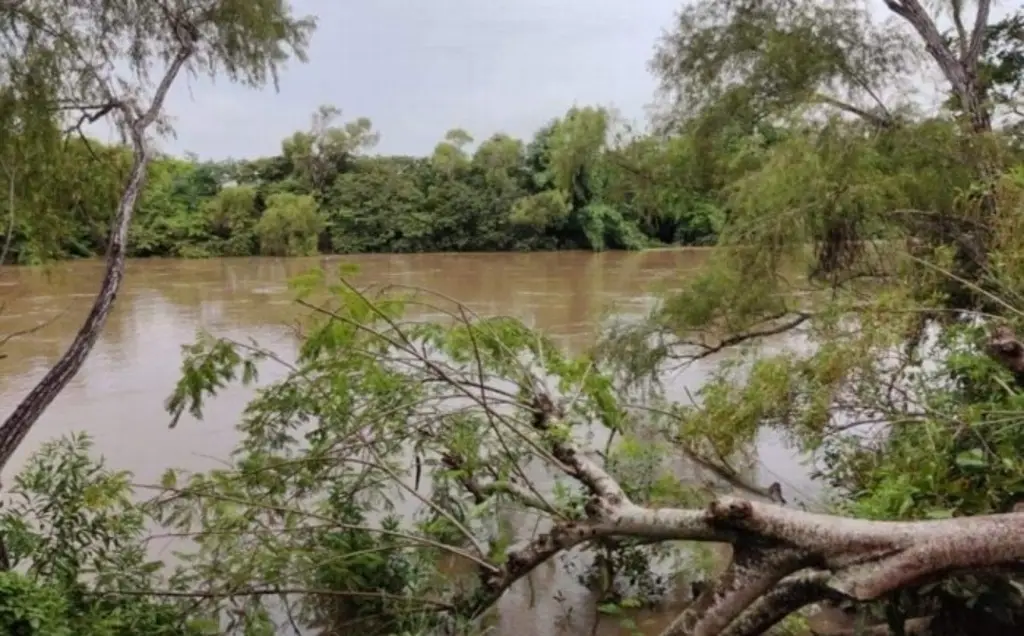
(885, 233)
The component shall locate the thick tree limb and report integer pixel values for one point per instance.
(973, 52)
(960, 72)
(789, 595)
(753, 571)
(783, 559)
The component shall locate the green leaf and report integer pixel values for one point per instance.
(974, 458)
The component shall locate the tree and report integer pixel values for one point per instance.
(74, 50)
(452, 200)
(524, 403)
(766, 59)
(290, 226)
(233, 217)
(320, 154)
(450, 154)
(843, 228)
(1001, 69)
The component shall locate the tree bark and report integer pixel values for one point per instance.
(959, 71)
(784, 559)
(27, 413)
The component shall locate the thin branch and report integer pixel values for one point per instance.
(744, 337)
(882, 121)
(191, 492)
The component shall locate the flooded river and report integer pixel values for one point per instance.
(118, 396)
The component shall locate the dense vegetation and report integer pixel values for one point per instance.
(882, 232)
(584, 181)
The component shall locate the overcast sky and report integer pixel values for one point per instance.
(418, 68)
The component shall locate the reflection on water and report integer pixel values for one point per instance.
(118, 396)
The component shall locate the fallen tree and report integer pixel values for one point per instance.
(371, 385)
(783, 559)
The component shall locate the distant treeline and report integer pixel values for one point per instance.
(582, 182)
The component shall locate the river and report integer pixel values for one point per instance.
(118, 396)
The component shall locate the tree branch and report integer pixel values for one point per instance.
(961, 30)
(782, 326)
(789, 595)
(853, 558)
(878, 120)
(972, 54)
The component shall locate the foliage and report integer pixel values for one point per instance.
(575, 188)
(880, 235)
(79, 543)
(349, 422)
(879, 238)
(66, 64)
(289, 226)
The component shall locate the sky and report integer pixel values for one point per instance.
(418, 68)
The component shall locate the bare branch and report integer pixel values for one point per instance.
(706, 350)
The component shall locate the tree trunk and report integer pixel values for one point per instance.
(960, 71)
(27, 413)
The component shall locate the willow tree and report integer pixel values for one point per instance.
(85, 61)
(730, 62)
(911, 216)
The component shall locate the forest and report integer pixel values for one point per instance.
(877, 229)
(584, 181)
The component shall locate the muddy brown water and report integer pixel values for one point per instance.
(118, 396)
